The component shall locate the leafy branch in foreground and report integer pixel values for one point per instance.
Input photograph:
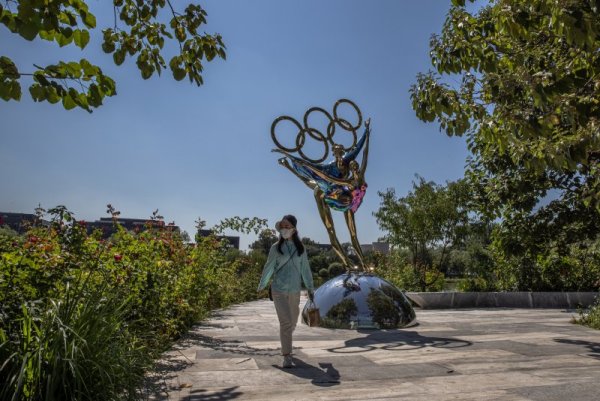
(138, 31)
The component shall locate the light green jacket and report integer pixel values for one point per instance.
(289, 276)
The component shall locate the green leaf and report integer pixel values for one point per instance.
(15, 90)
(37, 92)
(81, 38)
(94, 97)
(5, 91)
(63, 40)
(83, 102)
(147, 71)
(178, 73)
(119, 56)
(52, 95)
(47, 35)
(108, 46)
(68, 102)
(74, 69)
(39, 77)
(88, 68)
(28, 31)
(88, 19)
(175, 62)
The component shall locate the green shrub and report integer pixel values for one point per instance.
(591, 316)
(474, 284)
(547, 267)
(82, 317)
(398, 270)
(335, 269)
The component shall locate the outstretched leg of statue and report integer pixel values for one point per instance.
(285, 163)
(327, 219)
(349, 215)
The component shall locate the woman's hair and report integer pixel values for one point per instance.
(299, 246)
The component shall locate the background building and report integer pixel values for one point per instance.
(232, 241)
(20, 222)
(381, 247)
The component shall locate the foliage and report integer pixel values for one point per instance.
(335, 269)
(319, 258)
(79, 347)
(266, 239)
(591, 316)
(6, 233)
(529, 106)
(398, 270)
(374, 258)
(248, 275)
(245, 225)
(431, 216)
(474, 260)
(384, 309)
(553, 267)
(475, 284)
(111, 304)
(139, 31)
(339, 315)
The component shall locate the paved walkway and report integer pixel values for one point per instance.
(474, 354)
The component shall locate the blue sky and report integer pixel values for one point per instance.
(205, 152)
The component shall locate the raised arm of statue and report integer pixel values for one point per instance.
(353, 153)
(365, 156)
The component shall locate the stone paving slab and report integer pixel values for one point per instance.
(452, 354)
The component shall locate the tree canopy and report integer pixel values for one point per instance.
(430, 217)
(266, 238)
(138, 31)
(528, 103)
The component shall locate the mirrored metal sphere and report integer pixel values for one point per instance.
(359, 301)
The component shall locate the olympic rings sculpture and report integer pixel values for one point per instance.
(327, 139)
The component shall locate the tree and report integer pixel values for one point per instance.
(266, 238)
(529, 106)
(138, 30)
(431, 216)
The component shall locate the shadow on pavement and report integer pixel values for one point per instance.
(593, 347)
(231, 346)
(325, 376)
(396, 340)
(226, 394)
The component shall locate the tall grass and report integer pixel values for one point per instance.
(77, 348)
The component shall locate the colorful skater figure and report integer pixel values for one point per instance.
(339, 184)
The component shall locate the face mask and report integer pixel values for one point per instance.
(286, 233)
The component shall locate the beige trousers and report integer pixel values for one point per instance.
(287, 306)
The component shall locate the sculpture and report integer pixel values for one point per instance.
(339, 184)
(354, 300)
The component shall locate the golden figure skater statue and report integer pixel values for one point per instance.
(339, 184)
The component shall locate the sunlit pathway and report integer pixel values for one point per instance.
(484, 354)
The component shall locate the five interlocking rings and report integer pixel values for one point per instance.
(317, 135)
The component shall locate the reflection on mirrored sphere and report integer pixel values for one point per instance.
(359, 301)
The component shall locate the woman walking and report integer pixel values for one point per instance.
(287, 265)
